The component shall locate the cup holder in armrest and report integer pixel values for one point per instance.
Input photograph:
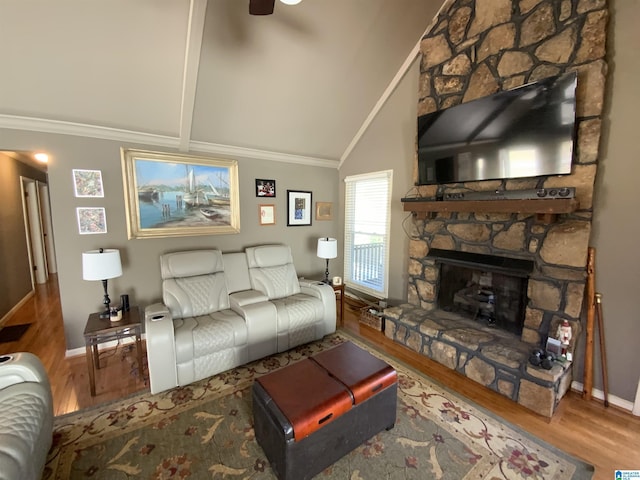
(5, 358)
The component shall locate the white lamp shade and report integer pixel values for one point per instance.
(327, 247)
(103, 265)
(291, 2)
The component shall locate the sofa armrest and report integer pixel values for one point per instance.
(261, 318)
(161, 348)
(325, 293)
(240, 299)
(22, 367)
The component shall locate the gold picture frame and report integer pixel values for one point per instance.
(177, 195)
(324, 210)
(267, 214)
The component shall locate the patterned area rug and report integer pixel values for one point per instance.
(204, 430)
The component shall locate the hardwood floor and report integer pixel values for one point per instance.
(609, 437)
(117, 377)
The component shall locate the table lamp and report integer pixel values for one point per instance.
(327, 248)
(102, 265)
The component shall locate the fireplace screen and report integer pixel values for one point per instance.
(495, 299)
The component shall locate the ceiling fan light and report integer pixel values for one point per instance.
(291, 2)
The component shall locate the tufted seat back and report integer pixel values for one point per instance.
(272, 271)
(193, 283)
(26, 417)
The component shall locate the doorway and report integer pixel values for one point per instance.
(39, 235)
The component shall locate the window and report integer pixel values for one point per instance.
(367, 222)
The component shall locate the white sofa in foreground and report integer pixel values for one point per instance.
(26, 416)
(222, 310)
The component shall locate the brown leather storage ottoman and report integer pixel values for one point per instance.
(310, 414)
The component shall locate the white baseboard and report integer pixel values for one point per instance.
(636, 405)
(613, 400)
(16, 307)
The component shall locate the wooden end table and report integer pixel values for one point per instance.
(100, 330)
(339, 291)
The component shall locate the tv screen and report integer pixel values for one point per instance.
(525, 132)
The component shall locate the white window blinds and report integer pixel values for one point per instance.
(367, 225)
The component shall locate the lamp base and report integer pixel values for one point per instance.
(105, 314)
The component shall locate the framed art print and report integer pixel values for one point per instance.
(267, 214)
(87, 183)
(324, 210)
(299, 208)
(265, 188)
(169, 195)
(91, 220)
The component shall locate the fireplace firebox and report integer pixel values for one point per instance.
(488, 289)
(495, 299)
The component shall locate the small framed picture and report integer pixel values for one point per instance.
(265, 188)
(91, 220)
(299, 207)
(88, 183)
(267, 214)
(324, 210)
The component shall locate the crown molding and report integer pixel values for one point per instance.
(250, 153)
(83, 130)
(59, 127)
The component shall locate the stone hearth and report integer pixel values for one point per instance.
(494, 358)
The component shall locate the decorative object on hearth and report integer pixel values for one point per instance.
(542, 358)
(327, 248)
(564, 334)
(102, 265)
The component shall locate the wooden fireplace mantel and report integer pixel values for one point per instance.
(546, 210)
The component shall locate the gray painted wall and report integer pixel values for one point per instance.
(141, 272)
(15, 282)
(616, 228)
(389, 143)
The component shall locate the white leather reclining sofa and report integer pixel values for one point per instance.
(222, 310)
(26, 417)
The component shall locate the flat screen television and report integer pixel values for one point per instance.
(525, 132)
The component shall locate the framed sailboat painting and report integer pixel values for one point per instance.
(172, 195)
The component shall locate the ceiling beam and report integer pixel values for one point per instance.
(195, 30)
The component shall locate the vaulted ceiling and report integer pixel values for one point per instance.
(205, 75)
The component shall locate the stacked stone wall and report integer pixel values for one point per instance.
(477, 48)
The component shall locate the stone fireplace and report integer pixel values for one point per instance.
(472, 49)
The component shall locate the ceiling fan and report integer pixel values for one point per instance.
(265, 7)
